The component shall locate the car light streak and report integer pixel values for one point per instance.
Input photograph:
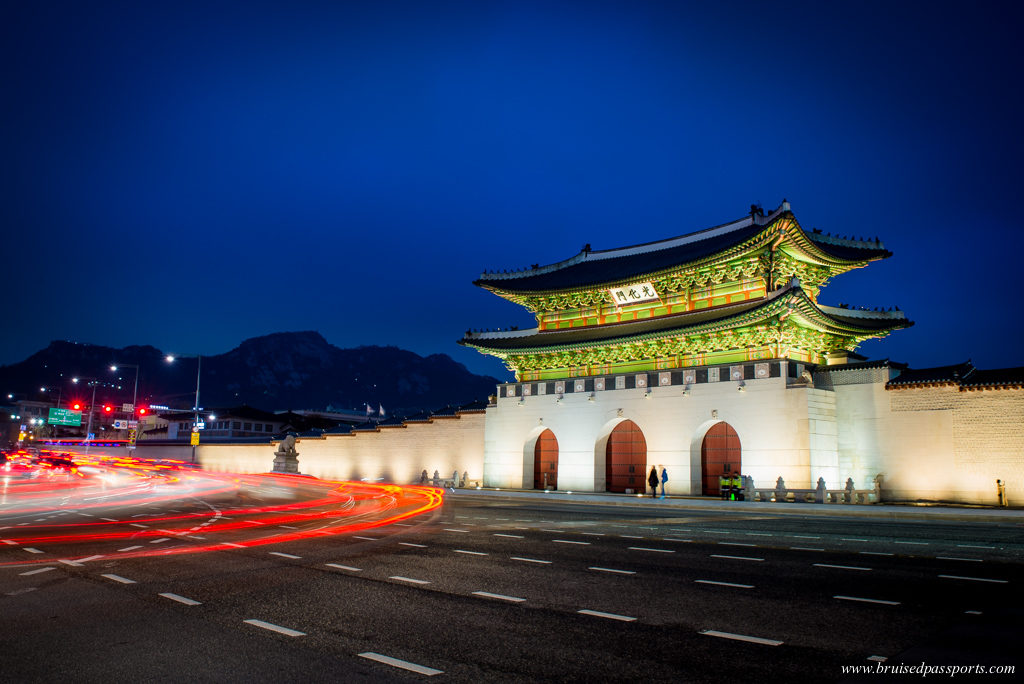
(299, 507)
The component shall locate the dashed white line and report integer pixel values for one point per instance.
(913, 543)
(138, 525)
(674, 539)
(630, 536)
(850, 539)
(403, 664)
(275, 628)
(955, 558)
(10, 542)
(975, 579)
(181, 599)
(471, 553)
(840, 567)
(109, 519)
(610, 616)
(593, 534)
(617, 572)
(90, 558)
(130, 548)
(725, 584)
(500, 597)
(644, 548)
(510, 536)
(569, 541)
(32, 550)
(118, 578)
(804, 536)
(530, 560)
(804, 548)
(974, 546)
(160, 541)
(867, 600)
(746, 558)
(734, 544)
(418, 546)
(452, 529)
(876, 553)
(408, 579)
(759, 534)
(289, 527)
(343, 567)
(36, 572)
(284, 555)
(356, 536)
(742, 637)
(237, 546)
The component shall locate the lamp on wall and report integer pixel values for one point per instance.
(592, 396)
(741, 388)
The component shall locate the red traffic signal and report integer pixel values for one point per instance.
(108, 409)
(76, 405)
(142, 410)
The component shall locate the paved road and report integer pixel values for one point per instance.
(496, 589)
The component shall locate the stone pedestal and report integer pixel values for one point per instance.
(286, 458)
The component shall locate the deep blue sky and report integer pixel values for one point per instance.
(189, 175)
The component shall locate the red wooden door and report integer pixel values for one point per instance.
(545, 461)
(719, 455)
(626, 459)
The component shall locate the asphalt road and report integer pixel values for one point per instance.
(488, 589)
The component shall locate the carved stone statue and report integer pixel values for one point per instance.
(286, 458)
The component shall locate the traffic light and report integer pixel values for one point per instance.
(142, 410)
(107, 408)
(76, 405)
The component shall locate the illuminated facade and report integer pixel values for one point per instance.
(695, 354)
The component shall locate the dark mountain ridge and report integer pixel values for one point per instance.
(290, 370)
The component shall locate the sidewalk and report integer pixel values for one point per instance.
(887, 511)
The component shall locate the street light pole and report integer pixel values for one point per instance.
(135, 394)
(92, 406)
(195, 409)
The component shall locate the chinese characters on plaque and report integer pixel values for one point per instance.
(633, 294)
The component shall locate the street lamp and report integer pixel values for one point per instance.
(88, 429)
(199, 366)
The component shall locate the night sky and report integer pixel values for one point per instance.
(189, 175)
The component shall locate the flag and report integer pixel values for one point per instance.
(369, 411)
(381, 411)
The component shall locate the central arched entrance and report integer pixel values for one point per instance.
(719, 455)
(626, 459)
(545, 461)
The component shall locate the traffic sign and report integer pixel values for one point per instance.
(120, 424)
(127, 408)
(59, 416)
(195, 439)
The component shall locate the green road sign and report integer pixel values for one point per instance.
(59, 416)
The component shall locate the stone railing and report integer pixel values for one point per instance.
(449, 482)
(821, 494)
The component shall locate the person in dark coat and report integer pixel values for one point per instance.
(653, 480)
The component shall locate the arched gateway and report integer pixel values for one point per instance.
(719, 454)
(545, 461)
(626, 459)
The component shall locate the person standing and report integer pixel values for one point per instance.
(664, 480)
(652, 480)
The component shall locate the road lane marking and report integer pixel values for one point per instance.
(973, 560)
(65, 561)
(840, 567)
(593, 534)
(138, 525)
(912, 543)
(567, 541)
(408, 579)
(530, 560)
(867, 600)
(404, 664)
(804, 548)
(975, 579)
(471, 553)
(36, 572)
(974, 546)
(181, 599)
(130, 548)
(644, 548)
(542, 529)
(109, 519)
(452, 529)
(160, 541)
(289, 527)
(418, 546)
(343, 567)
(742, 637)
(804, 536)
(610, 616)
(734, 544)
(356, 536)
(118, 578)
(284, 555)
(617, 572)
(237, 546)
(510, 536)
(630, 536)
(673, 539)
(758, 534)
(404, 524)
(725, 584)
(747, 558)
(32, 550)
(849, 539)
(275, 628)
(90, 558)
(500, 597)
(876, 553)
(11, 542)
